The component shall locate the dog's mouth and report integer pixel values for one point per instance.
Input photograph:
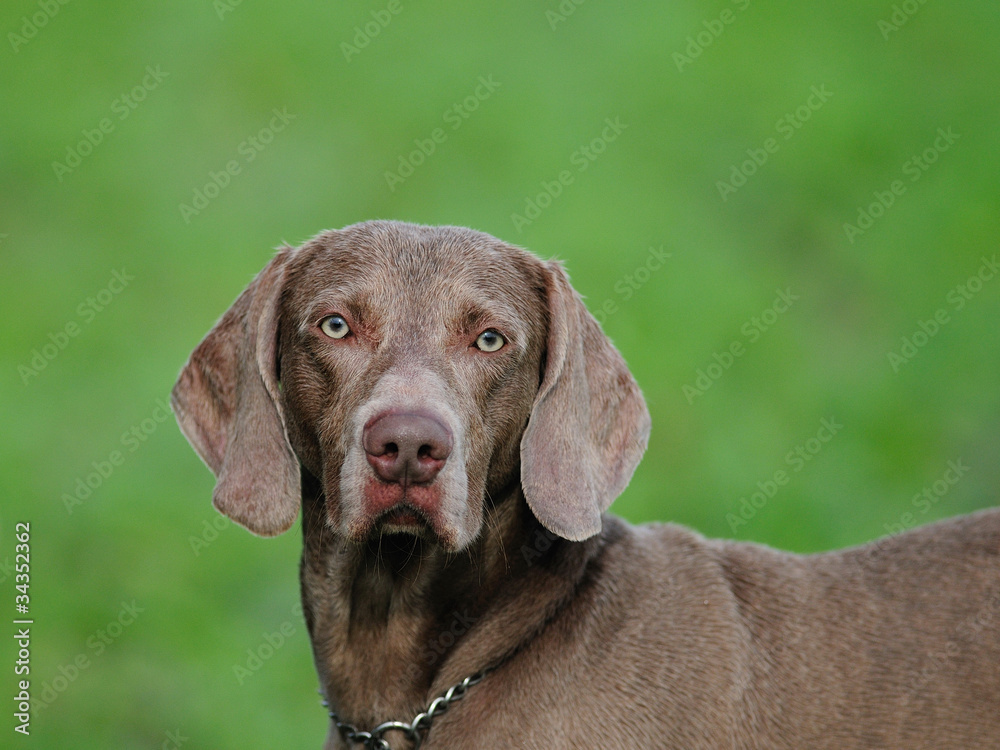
(403, 519)
(415, 511)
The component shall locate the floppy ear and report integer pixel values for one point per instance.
(589, 424)
(228, 405)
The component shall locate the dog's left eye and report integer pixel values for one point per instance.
(489, 341)
(334, 326)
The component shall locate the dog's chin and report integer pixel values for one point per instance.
(404, 519)
(416, 511)
(402, 525)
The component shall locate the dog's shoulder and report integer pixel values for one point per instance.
(665, 567)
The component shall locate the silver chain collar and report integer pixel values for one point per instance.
(416, 730)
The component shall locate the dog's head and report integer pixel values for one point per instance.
(416, 372)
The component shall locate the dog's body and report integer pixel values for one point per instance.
(453, 425)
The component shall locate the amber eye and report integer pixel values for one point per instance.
(334, 326)
(490, 341)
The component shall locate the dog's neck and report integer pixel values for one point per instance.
(397, 621)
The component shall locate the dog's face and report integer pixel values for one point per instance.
(416, 372)
(409, 363)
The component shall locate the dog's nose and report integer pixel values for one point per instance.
(406, 448)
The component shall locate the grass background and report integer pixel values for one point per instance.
(62, 237)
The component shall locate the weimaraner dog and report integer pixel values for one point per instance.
(454, 424)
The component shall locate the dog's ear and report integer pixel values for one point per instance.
(589, 424)
(228, 403)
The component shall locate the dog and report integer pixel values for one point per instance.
(453, 425)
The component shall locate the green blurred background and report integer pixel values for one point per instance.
(694, 86)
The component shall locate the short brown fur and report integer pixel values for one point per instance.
(603, 634)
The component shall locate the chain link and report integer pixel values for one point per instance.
(416, 730)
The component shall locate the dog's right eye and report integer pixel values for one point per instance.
(334, 326)
(490, 341)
